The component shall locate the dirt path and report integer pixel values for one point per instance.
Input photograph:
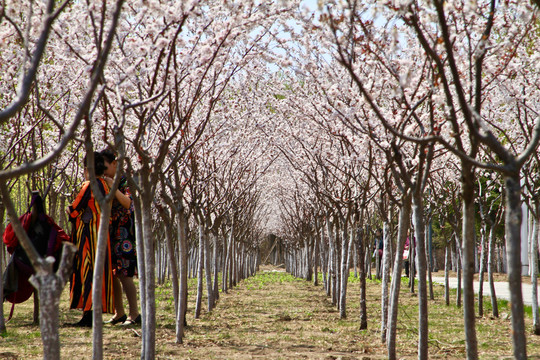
(272, 317)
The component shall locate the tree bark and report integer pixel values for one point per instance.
(468, 260)
(234, 264)
(446, 275)
(513, 251)
(481, 271)
(215, 257)
(141, 264)
(387, 244)
(97, 280)
(418, 215)
(183, 286)
(173, 263)
(225, 267)
(315, 260)
(228, 259)
(337, 265)
(149, 315)
(363, 301)
(404, 224)
(344, 278)
(534, 274)
(200, 269)
(331, 261)
(459, 272)
(412, 262)
(208, 271)
(50, 287)
(308, 259)
(490, 267)
(429, 259)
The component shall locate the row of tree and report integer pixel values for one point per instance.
(404, 103)
(158, 83)
(238, 119)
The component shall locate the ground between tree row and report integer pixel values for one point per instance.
(275, 316)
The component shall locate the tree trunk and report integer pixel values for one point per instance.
(323, 254)
(344, 277)
(215, 257)
(315, 261)
(363, 295)
(481, 271)
(225, 255)
(368, 253)
(183, 286)
(513, 250)
(173, 266)
(234, 264)
(36, 309)
(141, 264)
(378, 274)
(534, 274)
(337, 265)
(429, 259)
(149, 315)
(226, 267)
(61, 213)
(412, 262)
(208, 272)
(490, 267)
(418, 215)
(200, 268)
(404, 224)
(50, 287)
(329, 270)
(308, 259)
(459, 272)
(468, 260)
(331, 260)
(447, 264)
(355, 260)
(97, 280)
(387, 244)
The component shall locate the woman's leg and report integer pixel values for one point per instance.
(131, 293)
(118, 301)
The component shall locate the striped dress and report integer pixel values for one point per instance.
(84, 213)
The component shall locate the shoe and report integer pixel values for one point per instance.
(82, 323)
(130, 322)
(86, 320)
(114, 321)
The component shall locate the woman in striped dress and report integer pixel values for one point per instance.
(84, 213)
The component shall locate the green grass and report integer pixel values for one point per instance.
(276, 316)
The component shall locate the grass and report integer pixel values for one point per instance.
(275, 316)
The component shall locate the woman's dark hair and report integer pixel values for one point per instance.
(99, 163)
(36, 203)
(109, 155)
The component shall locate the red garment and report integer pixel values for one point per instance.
(11, 240)
(19, 269)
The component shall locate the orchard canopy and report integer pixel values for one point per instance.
(288, 131)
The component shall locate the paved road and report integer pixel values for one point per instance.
(501, 288)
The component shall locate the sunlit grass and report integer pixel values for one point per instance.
(274, 315)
